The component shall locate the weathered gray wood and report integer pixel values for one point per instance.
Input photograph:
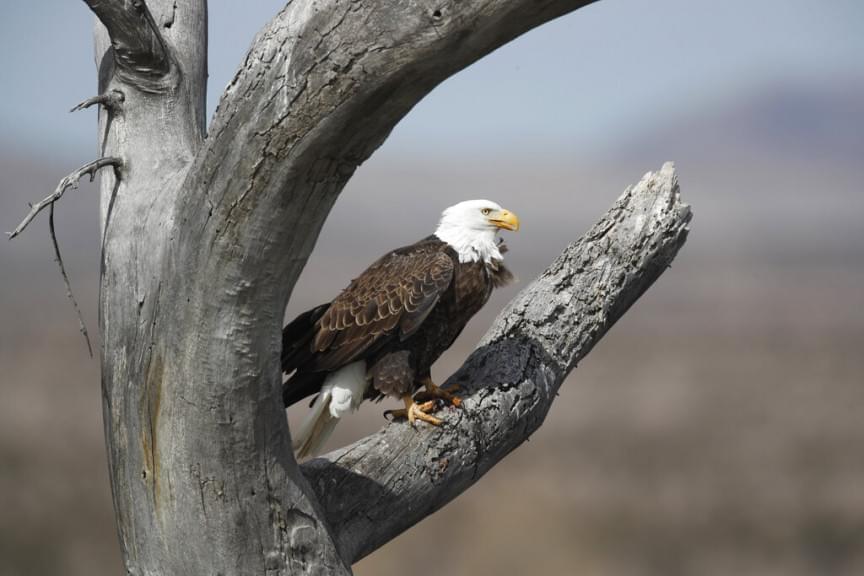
(376, 488)
(157, 130)
(204, 238)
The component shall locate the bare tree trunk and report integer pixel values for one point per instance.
(205, 235)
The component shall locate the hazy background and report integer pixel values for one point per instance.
(718, 429)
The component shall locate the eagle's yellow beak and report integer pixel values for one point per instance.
(505, 219)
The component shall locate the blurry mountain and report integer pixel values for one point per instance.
(783, 120)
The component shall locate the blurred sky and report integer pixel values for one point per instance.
(616, 66)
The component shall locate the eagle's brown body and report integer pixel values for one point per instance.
(399, 316)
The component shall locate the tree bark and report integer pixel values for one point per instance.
(204, 237)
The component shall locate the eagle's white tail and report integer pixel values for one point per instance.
(341, 394)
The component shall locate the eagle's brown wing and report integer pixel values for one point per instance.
(389, 300)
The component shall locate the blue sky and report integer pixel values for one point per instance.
(616, 66)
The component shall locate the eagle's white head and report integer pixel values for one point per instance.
(471, 228)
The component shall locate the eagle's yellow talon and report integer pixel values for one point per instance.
(414, 411)
(421, 412)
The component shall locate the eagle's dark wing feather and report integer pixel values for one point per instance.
(390, 299)
(297, 338)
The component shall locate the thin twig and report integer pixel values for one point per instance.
(69, 181)
(59, 259)
(110, 100)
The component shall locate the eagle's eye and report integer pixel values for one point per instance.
(486, 211)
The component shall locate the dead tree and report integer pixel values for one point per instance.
(204, 235)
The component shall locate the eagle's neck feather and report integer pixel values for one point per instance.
(471, 245)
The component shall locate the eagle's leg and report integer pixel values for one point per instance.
(434, 391)
(414, 411)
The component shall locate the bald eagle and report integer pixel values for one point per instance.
(382, 334)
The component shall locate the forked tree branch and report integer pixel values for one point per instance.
(204, 240)
(140, 52)
(377, 487)
(319, 91)
(69, 181)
